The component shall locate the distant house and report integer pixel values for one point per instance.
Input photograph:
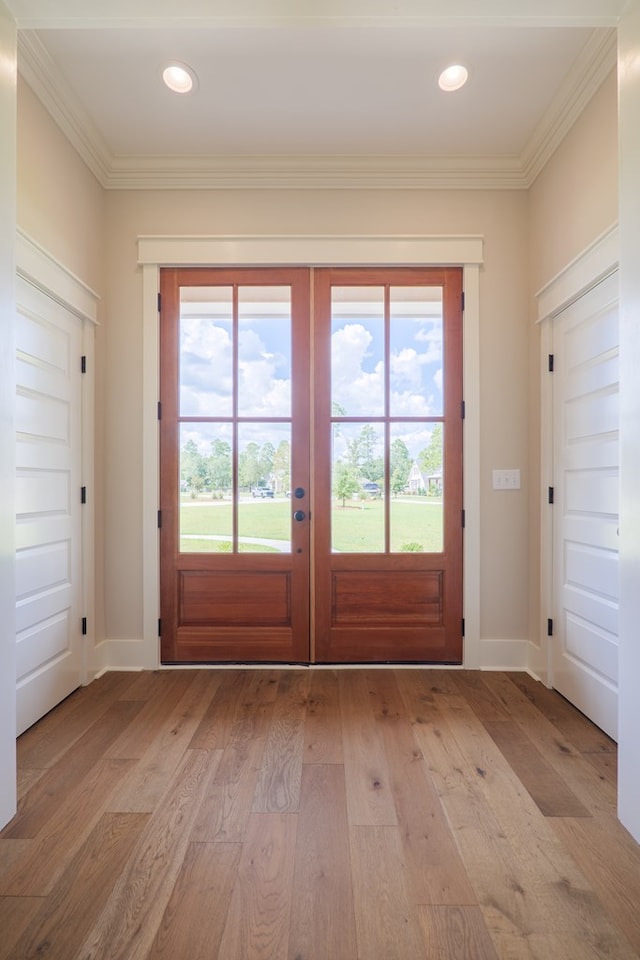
(418, 482)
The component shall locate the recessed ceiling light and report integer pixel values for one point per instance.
(179, 77)
(453, 78)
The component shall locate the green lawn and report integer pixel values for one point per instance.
(357, 528)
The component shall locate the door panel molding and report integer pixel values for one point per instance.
(451, 250)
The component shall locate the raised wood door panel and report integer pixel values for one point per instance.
(388, 503)
(229, 397)
(585, 508)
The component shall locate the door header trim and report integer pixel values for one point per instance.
(310, 251)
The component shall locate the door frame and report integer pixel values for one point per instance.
(598, 261)
(155, 252)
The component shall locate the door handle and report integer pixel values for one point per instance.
(298, 493)
(299, 515)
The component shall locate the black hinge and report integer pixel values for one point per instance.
(550, 363)
(462, 301)
(463, 518)
(159, 627)
(159, 410)
(159, 302)
(159, 519)
(549, 627)
(84, 626)
(462, 626)
(83, 364)
(550, 494)
(83, 494)
(463, 410)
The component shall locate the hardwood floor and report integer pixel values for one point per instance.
(367, 814)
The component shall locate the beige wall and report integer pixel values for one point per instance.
(575, 198)
(499, 216)
(573, 201)
(60, 202)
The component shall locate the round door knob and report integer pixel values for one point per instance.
(298, 493)
(299, 515)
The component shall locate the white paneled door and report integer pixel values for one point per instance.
(585, 510)
(48, 512)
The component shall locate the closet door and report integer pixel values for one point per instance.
(585, 508)
(48, 498)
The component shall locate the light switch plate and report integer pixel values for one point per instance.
(506, 479)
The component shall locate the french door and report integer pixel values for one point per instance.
(311, 465)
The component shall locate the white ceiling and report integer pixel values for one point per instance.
(309, 100)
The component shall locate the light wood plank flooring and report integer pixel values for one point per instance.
(367, 814)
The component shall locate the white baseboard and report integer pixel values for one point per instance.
(120, 655)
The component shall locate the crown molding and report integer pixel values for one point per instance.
(38, 69)
(302, 172)
(594, 64)
(454, 172)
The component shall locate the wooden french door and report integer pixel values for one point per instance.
(234, 465)
(388, 465)
(311, 512)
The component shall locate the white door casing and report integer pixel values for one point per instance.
(584, 663)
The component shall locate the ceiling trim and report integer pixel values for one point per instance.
(69, 14)
(315, 172)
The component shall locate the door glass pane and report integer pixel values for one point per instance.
(264, 478)
(206, 351)
(357, 351)
(415, 344)
(357, 487)
(416, 507)
(264, 351)
(206, 511)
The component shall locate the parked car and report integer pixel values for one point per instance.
(372, 489)
(262, 492)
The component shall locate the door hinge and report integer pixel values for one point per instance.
(462, 626)
(551, 492)
(159, 627)
(462, 301)
(84, 626)
(549, 627)
(550, 363)
(83, 364)
(159, 302)
(159, 519)
(463, 410)
(83, 494)
(463, 518)
(159, 410)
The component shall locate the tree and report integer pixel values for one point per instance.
(282, 467)
(400, 465)
(267, 453)
(361, 455)
(219, 465)
(249, 471)
(345, 481)
(193, 467)
(430, 459)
